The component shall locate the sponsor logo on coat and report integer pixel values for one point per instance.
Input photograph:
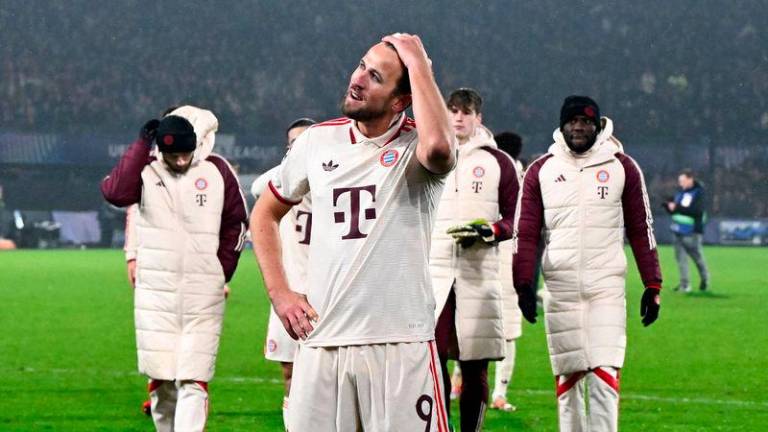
(603, 176)
(201, 183)
(478, 171)
(389, 158)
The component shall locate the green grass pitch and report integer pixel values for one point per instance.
(68, 357)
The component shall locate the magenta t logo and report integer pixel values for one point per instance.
(354, 204)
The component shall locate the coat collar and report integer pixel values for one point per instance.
(481, 138)
(606, 146)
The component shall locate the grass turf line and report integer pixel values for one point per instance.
(68, 353)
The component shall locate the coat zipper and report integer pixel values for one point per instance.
(580, 273)
(178, 210)
(456, 250)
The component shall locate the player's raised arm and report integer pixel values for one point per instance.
(437, 143)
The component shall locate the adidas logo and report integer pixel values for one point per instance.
(560, 178)
(330, 166)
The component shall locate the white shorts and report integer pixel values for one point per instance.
(279, 345)
(383, 387)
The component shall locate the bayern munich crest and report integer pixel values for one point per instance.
(389, 157)
(603, 176)
(478, 171)
(201, 183)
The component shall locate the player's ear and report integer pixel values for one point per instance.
(401, 103)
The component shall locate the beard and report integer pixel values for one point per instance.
(362, 114)
(582, 148)
(180, 170)
(177, 169)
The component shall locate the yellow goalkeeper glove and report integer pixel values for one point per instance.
(466, 234)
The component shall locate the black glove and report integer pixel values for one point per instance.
(526, 300)
(650, 305)
(149, 130)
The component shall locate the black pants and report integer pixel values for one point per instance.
(474, 394)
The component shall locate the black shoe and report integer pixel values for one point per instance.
(703, 286)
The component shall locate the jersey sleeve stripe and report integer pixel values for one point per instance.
(279, 197)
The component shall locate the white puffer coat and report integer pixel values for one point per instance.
(513, 318)
(585, 200)
(472, 191)
(189, 233)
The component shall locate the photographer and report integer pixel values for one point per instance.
(688, 218)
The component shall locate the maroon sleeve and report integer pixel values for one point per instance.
(528, 226)
(509, 187)
(234, 218)
(638, 222)
(122, 187)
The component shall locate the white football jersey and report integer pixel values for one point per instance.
(373, 206)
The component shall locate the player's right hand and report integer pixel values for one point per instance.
(466, 234)
(132, 272)
(149, 130)
(295, 313)
(526, 300)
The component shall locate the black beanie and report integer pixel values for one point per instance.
(579, 105)
(175, 134)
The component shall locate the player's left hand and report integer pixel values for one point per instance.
(650, 305)
(467, 234)
(526, 301)
(410, 50)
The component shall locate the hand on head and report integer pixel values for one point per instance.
(410, 49)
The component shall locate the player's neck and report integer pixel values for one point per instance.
(376, 127)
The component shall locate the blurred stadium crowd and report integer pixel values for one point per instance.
(687, 87)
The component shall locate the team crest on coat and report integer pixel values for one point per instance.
(603, 176)
(201, 183)
(389, 158)
(478, 171)
(272, 345)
